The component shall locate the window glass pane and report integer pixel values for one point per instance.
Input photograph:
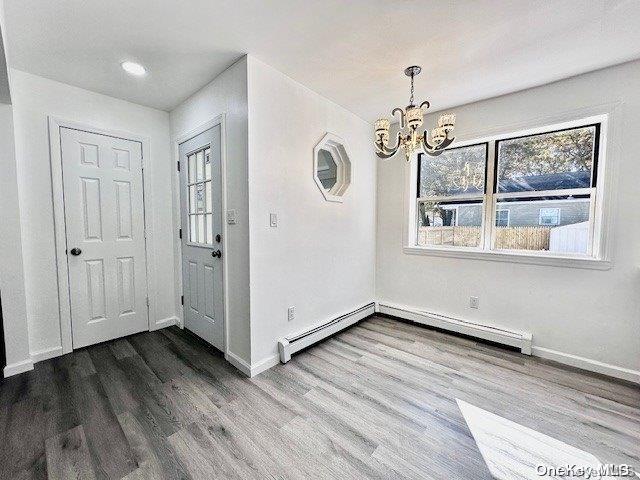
(207, 164)
(200, 228)
(209, 230)
(549, 161)
(200, 198)
(554, 224)
(456, 171)
(450, 223)
(200, 166)
(193, 235)
(192, 199)
(192, 168)
(208, 194)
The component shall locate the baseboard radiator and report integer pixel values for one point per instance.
(294, 343)
(521, 340)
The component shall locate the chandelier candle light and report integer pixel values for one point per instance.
(409, 138)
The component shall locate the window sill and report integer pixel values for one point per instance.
(512, 257)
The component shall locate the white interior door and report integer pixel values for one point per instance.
(201, 207)
(104, 216)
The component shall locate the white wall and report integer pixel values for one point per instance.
(585, 313)
(320, 258)
(35, 98)
(11, 270)
(226, 94)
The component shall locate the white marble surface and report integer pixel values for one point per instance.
(514, 452)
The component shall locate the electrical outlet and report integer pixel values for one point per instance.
(291, 313)
(474, 302)
(273, 220)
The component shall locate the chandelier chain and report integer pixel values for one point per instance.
(411, 98)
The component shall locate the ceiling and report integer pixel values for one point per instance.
(351, 51)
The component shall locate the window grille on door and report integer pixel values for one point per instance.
(199, 195)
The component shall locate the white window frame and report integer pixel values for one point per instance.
(599, 254)
(558, 213)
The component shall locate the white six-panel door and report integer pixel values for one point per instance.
(104, 216)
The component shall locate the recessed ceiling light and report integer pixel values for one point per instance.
(134, 68)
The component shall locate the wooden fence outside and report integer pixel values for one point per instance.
(523, 238)
(508, 238)
(457, 236)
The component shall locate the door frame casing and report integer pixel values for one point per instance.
(62, 267)
(219, 119)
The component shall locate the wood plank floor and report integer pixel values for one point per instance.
(375, 401)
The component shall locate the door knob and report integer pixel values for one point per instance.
(75, 251)
(217, 253)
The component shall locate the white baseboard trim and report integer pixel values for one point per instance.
(18, 367)
(588, 364)
(238, 362)
(46, 354)
(165, 322)
(264, 364)
(253, 369)
(521, 340)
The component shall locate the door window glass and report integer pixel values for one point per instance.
(199, 194)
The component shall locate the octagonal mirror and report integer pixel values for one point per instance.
(331, 167)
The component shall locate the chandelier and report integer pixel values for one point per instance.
(409, 138)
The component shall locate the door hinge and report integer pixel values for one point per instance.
(181, 299)
(178, 162)
(147, 301)
(179, 233)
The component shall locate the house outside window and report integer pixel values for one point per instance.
(502, 218)
(540, 198)
(549, 216)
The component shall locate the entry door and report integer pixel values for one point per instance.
(103, 203)
(201, 207)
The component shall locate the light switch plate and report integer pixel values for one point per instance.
(273, 220)
(231, 217)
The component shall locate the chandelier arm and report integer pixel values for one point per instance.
(385, 155)
(437, 149)
(393, 149)
(384, 151)
(425, 104)
(426, 146)
(398, 109)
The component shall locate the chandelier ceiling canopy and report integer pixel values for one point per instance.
(409, 137)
